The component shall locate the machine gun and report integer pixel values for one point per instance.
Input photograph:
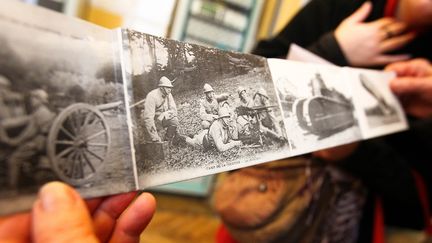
(256, 130)
(252, 111)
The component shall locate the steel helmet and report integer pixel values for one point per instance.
(165, 82)
(262, 92)
(223, 112)
(208, 88)
(4, 81)
(40, 94)
(240, 90)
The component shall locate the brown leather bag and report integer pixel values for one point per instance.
(261, 203)
(292, 200)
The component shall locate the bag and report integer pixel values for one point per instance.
(283, 201)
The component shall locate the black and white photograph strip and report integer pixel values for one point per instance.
(379, 110)
(199, 110)
(62, 107)
(317, 105)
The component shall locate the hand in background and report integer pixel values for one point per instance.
(366, 44)
(60, 215)
(413, 85)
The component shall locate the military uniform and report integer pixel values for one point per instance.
(208, 111)
(38, 128)
(243, 121)
(219, 135)
(160, 112)
(210, 106)
(267, 117)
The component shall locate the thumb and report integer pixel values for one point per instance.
(411, 85)
(60, 215)
(361, 13)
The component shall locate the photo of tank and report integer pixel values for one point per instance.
(317, 105)
(326, 112)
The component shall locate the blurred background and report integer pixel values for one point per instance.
(226, 24)
(184, 212)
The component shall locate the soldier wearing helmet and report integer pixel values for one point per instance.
(266, 116)
(33, 139)
(160, 112)
(11, 106)
(219, 135)
(243, 119)
(210, 104)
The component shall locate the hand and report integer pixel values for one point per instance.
(413, 85)
(365, 44)
(60, 215)
(170, 115)
(337, 153)
(413, 68)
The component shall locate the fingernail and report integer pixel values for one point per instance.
(56, 196)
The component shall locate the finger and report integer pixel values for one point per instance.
(105, 216)
(411, 86)
(15, 229)
(396, 42)
(60, 215)
(421, 67)
(418, 67)
(361, 13)
(93, 204)
(400, 68)
(396, 28)
(382, 22)
(131, 224)
(420, 107)
(386, 59)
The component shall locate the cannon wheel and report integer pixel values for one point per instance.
(78, 143)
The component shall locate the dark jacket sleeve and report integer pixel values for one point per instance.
(328, 48)
(312, 28)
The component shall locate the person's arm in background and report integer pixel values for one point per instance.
(413, 85)
(60, 215)
(338, 32)
(312, 22)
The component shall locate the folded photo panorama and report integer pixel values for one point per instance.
(112, 111)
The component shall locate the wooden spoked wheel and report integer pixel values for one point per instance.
(78, 143)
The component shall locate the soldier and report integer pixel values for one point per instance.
(209, 106)
(219, 135)
(39, 124)
(160, 112)
(4, 88)
(243, 118)
(11, 103)
(266, 117)
(245, 100)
